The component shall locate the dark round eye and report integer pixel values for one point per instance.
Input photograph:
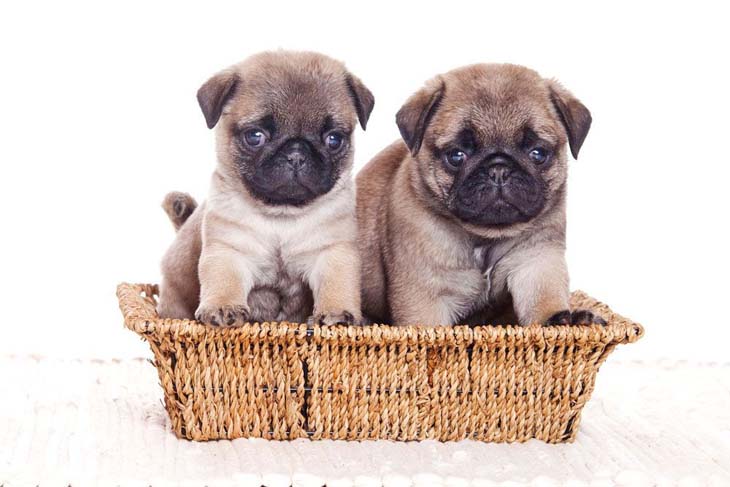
(538, 155)
(456, 158)
(334, 141)
(254, 138)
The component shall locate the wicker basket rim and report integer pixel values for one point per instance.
(140, 316)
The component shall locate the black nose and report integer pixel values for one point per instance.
(296, 159)
(296, 154)
(498, 174)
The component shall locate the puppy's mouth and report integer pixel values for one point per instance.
(488, 210)
(485, 200)
(295, 190)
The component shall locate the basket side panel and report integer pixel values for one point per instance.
(447, 409)
(508, 386)
(233, 387)
(507, 391)
(531, 391)
(521, 390)
(365, 391)
(164, 362)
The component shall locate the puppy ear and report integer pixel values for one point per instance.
(212, 96)
(363, 98)
(575, 116)
(414, 116)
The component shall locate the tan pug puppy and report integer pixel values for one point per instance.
(275, 241)
(465, 221)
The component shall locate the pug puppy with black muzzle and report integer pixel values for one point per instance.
(464, 220)
(275, 240)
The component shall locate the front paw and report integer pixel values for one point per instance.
(224, 316)
(575, 317)
(333, 318)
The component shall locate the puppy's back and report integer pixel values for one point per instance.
(374, 189)
(180, 287)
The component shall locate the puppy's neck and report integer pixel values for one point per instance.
(229, 189)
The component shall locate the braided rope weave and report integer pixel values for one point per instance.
(283, 381)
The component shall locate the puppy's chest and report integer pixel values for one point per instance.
(278, 268)
(279, 291)
(487, 285)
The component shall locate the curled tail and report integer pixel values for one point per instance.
(179, 206)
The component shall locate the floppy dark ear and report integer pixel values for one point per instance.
(363, 98)
(414, 116)
(575, 116)
(212, 96)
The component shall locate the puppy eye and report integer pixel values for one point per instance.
(539, 155)
(254, 138)
(455, 158)
(334, 141)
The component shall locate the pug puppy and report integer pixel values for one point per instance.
(275, 240)
(464, 220)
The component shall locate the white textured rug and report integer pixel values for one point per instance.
(84, 423)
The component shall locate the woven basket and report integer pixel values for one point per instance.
(283, 381)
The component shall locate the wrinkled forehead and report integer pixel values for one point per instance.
(497, 112)
(294, 101)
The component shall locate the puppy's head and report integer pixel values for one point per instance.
(285, 122)
(489, 144)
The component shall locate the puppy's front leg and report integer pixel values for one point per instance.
(416, 296)
(335, 283)
(225, 281)
(538, 283)
(419, 307)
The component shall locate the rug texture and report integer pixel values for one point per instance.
(89, 423)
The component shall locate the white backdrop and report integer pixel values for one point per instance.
(99, 120)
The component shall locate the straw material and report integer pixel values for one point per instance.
(283, 381)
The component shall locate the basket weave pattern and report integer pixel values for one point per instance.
(284, 381)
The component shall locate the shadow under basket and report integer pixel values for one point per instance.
(283, 381)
